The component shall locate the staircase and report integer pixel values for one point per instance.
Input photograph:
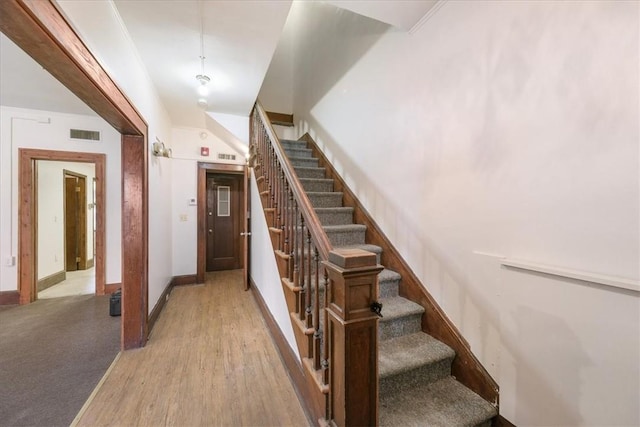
(416, 387)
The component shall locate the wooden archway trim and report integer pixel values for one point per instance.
(38, 28)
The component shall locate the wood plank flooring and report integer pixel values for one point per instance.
(210, 361)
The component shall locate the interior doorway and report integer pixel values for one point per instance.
(231, 241)
(31, 226)
(65, 217)
(224, 221)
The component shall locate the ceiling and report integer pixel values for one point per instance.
(238, 40)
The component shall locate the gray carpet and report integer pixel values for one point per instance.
(53, 353)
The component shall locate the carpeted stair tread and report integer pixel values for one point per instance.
(293, 143)
(317, 184)
(348, 234)
(309, 172)
(320, 199)
(335, 216)
(307, 162)
(408, 352)
(298, 152)
(442, 403)
(397, 307)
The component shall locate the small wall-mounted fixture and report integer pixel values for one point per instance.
(160, 150)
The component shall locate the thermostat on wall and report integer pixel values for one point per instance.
(192, 202)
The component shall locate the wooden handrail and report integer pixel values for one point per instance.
(340, 362)
(304, 204)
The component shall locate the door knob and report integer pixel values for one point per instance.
(210, 231)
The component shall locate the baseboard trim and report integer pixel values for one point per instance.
(90, 263)
(501, 421)
(186, 279)
(110, 288)
(157, 309)
(288, 357)
(9, 297)
(50, 280)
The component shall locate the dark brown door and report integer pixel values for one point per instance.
(75, 229)
(224, 222)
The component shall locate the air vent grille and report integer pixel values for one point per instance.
(223, 156)
(86, 135)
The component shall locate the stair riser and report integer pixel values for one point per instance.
(305, 163)
(287, 143)
(423, 374)
(346, 238)
(336, 218)
(317, 173)
(388, 288)
(400, 326)
(321, 186)
(327, 200)
(298, 152)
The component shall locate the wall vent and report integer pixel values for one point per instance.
(223, 156)
(86, 135)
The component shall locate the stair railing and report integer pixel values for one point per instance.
(337, 333)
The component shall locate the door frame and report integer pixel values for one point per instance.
(40, 29)
(27, 214)
(203, 169)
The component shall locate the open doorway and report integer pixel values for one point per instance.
(42, 232)
(66, 225)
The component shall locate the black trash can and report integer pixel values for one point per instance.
(114, 303)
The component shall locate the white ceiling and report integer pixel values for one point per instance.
(240, 37)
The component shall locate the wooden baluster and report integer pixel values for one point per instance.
(317, 334)
(285, 220)
(325, 329)
(307, 259)
(296, 255)
(292, 233)
(302, 269)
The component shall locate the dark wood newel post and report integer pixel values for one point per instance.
(353, 337)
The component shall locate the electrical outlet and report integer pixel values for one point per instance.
(10, 261)
(183, 217)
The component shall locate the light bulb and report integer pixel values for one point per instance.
(202, 103)
(203, 90)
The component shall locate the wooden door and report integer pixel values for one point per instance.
(224, 222)
(75, 217)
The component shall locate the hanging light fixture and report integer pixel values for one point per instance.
(203, 79)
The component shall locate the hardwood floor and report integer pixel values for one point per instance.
(209, 361)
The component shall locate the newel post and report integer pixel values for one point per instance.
(353, 337)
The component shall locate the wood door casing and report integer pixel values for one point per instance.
(224, 222)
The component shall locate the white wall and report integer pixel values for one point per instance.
(100, 27)
(507, 128)
(22, 128)
(184, 187)
(264, 270)
(51, 213)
